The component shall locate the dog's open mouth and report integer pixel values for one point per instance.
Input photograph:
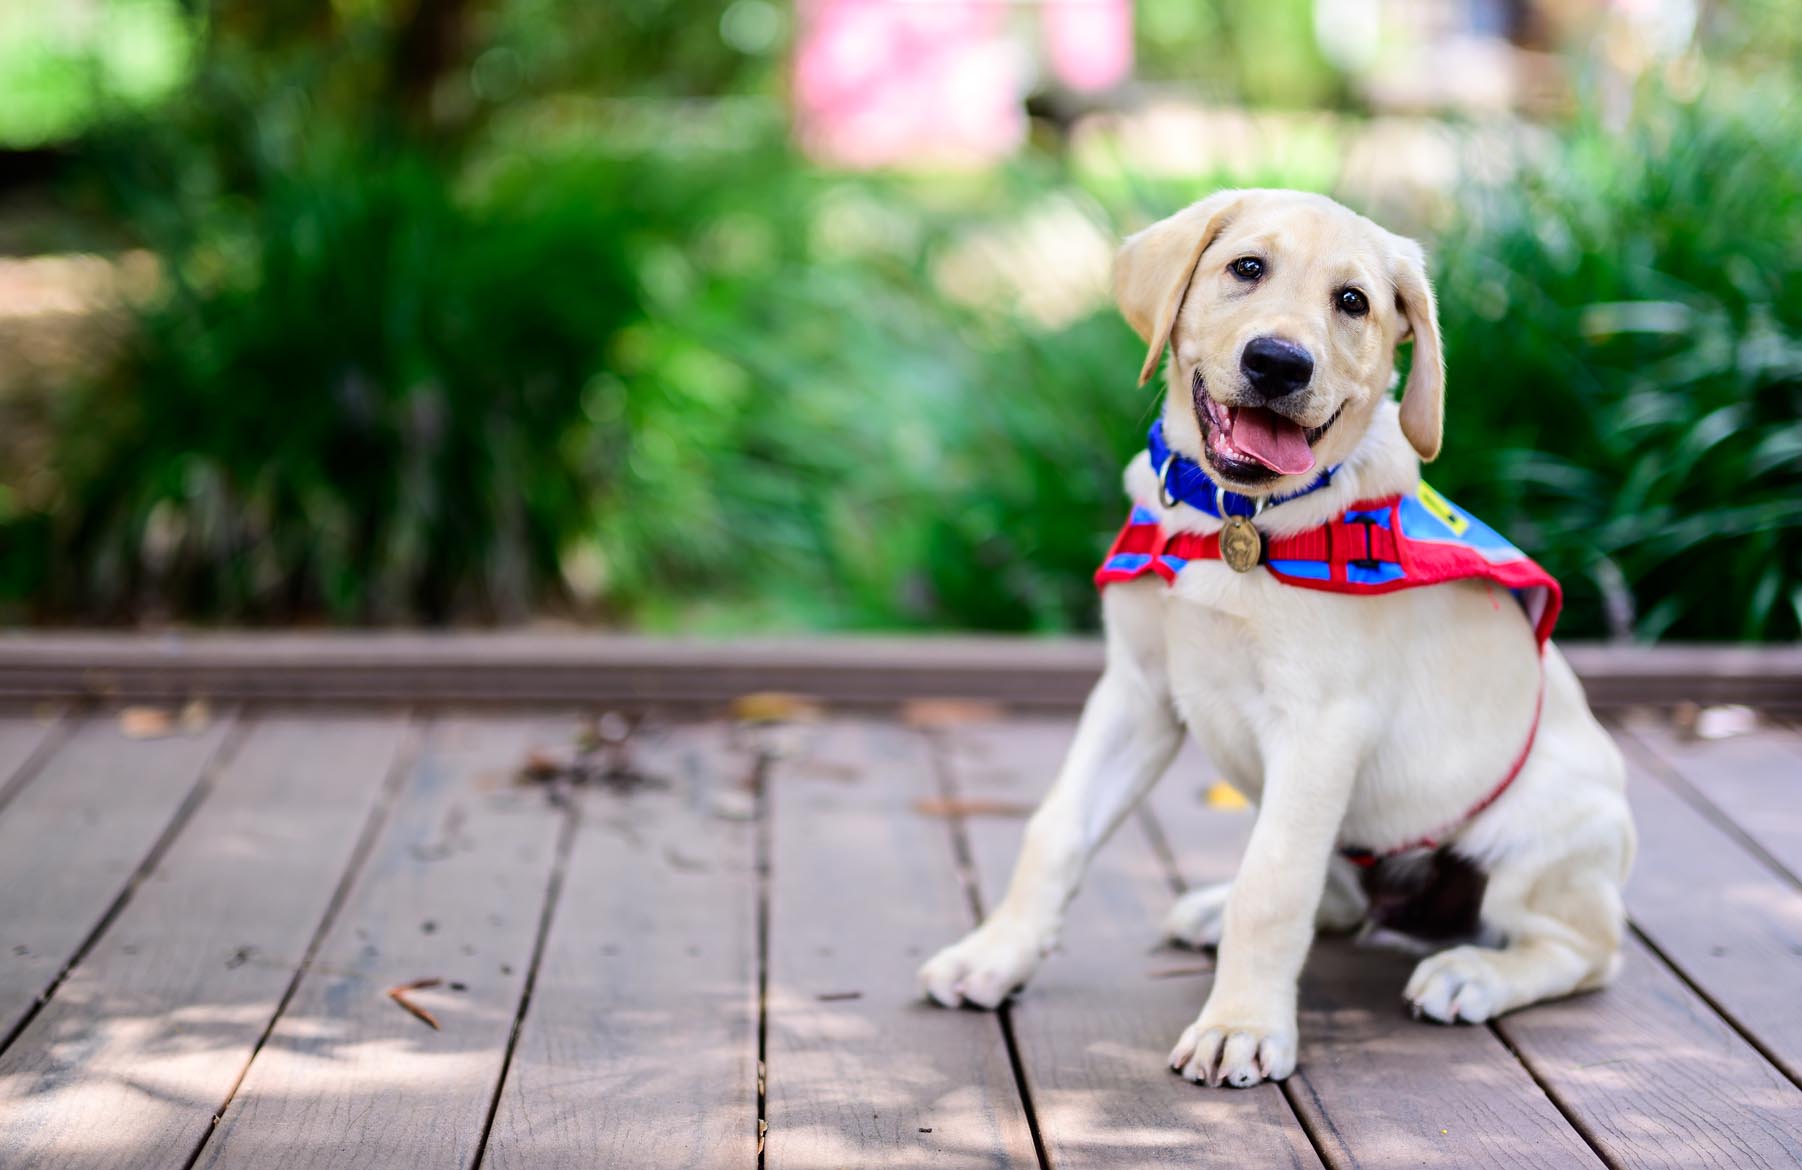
(1254, 443)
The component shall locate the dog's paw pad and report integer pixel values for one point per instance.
(1459, 986)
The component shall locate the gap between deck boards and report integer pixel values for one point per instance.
(946, 783)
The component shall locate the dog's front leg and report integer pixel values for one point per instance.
(1124, 742)
(1246, 1032)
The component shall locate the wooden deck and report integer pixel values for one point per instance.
(703, 957)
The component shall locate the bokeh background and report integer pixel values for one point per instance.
(704, 316)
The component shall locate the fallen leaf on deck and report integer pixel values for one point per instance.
(775, 707)
(1725, 722)
(678, 860)
(601, 754)
(157, 722)
(1220, 794)
(1179, 972)
(145, 722)
(399, 996)
(939, 807)
(949, 712)
(545, 765)
(1694, 721)
(609, 728)
(733, 805)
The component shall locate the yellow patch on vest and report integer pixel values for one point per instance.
(1220, 794)
(1441, 507)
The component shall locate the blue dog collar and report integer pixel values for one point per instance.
(1183, 480)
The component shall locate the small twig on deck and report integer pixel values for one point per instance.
(601, 755)
(935, 806)
(399, 995)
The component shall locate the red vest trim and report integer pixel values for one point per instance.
(1375, 546)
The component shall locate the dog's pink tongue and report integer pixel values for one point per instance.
(1272, 440)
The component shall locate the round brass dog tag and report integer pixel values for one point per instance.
(1240, 545)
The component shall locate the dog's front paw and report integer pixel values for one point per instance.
(983, 968)
(1232, 1052)
(1458, 986)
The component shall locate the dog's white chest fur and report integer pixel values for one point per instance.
(1443, 680)
(1448, 676)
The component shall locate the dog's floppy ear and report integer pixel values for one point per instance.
(1154, 268)
(1423, 398)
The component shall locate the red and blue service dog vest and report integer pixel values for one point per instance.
(1375, 546)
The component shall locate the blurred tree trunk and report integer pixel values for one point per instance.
(420, 43)
(430, 41)
(30, 166)
(269, 26)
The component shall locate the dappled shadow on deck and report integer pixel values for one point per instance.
(652, 975)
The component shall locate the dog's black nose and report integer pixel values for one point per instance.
(1275, 367)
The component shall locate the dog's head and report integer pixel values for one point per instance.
(1282, 311)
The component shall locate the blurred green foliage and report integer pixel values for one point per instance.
(452, 345)
(345, 403)
(1624, 328)
(1262, 54)
(58, 73)
(647, 383)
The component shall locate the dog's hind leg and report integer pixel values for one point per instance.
(1199, 917)
(1562, 923)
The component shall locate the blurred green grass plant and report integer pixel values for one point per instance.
(692, 382)
(1624, 334)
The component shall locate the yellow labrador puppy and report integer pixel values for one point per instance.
(1383, 721)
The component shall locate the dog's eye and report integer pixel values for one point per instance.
(1247, 268)
(1352, 302)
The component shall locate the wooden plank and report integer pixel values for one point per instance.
(860, 1072)
(1380, 1089)
(1753, 780)
(537, 668)
(1375, 1087)
(640, 1045)
(73, 839)
(1095, 1027)
(142, 1044)
(568, 667)
(454, 889)
(1729, 923)
(1656, 1079)
(24, 735)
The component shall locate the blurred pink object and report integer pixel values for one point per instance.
(878, 82)
(1089, 42)
(884, 81)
